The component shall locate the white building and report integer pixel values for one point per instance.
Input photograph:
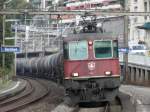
(42, 4)
(92, 4)
(137, 30)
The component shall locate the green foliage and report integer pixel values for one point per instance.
(5, 74)
(9, 57)
(18, 4)
(9, 60)
(0, 42)
(10, 42)
(0, 59)
(8, 31)
(2, 72)
(1, 3)
(1, 27)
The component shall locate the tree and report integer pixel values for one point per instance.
(1, 21)
(1, 3)
(17, 4)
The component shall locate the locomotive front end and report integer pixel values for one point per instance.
(91, 69)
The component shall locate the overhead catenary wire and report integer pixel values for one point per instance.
(76, 12)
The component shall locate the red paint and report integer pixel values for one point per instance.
(101, 66)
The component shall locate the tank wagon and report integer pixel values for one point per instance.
(48, 67)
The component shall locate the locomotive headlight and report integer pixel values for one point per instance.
(75, 74)
(90, 43)
(108, 73)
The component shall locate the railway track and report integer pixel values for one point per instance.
(106, 108)
(35, 90)
(114, 106)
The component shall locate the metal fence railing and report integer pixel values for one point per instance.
(136, 59)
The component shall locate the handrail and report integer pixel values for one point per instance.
(136, 59)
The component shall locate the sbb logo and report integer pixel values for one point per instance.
(91, 65)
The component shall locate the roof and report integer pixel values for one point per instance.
(90, 36)
(145, 26)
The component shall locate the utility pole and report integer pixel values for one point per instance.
(15, 60)
(125, 56)
(60, 30)
(61, 34)
(4, 17)
(26, 36)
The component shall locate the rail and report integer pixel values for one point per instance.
(26, 98)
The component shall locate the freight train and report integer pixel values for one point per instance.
(88, 65)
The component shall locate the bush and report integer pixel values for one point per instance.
(2, 72)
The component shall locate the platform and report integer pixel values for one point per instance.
(139, 97)
(13, 87)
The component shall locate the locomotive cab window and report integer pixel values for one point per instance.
(115, 49)
(76, 50)
(65, 45)
(103, 49)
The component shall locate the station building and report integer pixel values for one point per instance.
(139, 26)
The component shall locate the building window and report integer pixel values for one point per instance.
(135, 1)
(145, 9)
(135, 8)
(145, 6)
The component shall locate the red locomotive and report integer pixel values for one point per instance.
(91, 64)
(91, 67)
